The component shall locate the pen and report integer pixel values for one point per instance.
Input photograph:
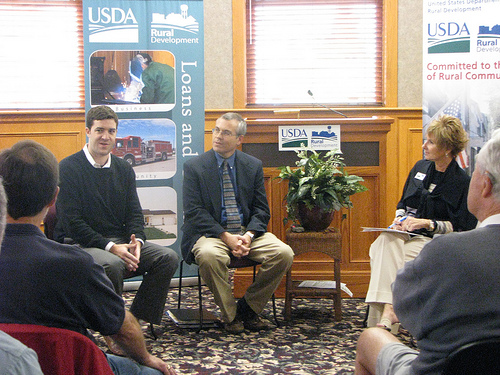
(399, 221)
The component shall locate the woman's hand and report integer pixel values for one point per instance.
(412, 224)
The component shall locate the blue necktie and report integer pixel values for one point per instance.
(232, 213)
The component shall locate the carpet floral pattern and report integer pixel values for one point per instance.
(313, 343)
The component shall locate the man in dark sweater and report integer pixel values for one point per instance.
(99, 209)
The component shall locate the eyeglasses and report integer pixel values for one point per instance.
(223, 133)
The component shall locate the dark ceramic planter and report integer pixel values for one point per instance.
(314, 220)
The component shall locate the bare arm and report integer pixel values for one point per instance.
(131, 340)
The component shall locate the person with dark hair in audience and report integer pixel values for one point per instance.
(46, 283)
(158, 80)
(449, 295)
(15, 357)
(221, 222)
(434, 201)
(98, 208)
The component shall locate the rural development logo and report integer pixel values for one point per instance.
(112, 25)
(325, 139)
(164, 27)
(487, 39)
(448, 37)
(181, 21)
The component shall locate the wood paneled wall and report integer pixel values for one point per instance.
(61, 132)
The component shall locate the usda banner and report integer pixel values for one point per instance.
(461, 67)
(144, 59)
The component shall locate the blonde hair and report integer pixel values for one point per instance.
(449, 134)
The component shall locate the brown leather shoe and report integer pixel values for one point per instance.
(235, 327)
(257, 324)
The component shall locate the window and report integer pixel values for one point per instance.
(330, 48)
(42, 54)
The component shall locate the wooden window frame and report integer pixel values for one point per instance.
(77, 104)
(389, 54)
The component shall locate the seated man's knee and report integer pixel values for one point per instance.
(207, 256)
(374, 339)
(172, 257)
(287, 254)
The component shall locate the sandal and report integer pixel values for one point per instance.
(386, 324)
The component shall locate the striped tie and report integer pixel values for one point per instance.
(232, 214)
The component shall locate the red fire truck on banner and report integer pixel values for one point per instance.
(136, 151)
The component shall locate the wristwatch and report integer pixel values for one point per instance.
(251, 235)
(432, 226)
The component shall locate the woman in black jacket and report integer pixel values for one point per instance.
(434, 201)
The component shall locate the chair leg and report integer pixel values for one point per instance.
(180, 285)
(365, 320)
(274, 312)
(153, 333)
(200, 305)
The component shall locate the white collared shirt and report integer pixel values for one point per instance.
(493, 219)
(92, 161)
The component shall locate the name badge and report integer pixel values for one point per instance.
(420, 176)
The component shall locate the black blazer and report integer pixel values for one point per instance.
(202, 198)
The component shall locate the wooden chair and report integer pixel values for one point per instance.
(235, 263)
(61, 351)
(328, 242)
(478, 357)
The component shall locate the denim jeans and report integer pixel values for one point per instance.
(125, 366)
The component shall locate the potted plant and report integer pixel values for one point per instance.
(317, 188)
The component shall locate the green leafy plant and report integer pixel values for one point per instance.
(319, 181)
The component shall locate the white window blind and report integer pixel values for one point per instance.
(331, 47)
(41, 58)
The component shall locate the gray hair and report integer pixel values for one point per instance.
(242, 125)
(3, 209)
(488, 161)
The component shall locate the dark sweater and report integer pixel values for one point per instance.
(450, 295)
(96, 204)
(46, 283)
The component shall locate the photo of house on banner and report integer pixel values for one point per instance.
(313, 137)
(159, 207)
(133, 81)
(148, 145)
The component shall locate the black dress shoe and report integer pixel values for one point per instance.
(235, 327)
(257, 324)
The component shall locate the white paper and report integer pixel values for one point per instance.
(372, 229)
(324, 284)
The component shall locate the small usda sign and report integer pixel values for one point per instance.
(314, 137)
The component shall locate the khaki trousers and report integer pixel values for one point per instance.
(212, 257)
(388, 253)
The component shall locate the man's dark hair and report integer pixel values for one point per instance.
(30, 175)
(146, 58)
(101, 112)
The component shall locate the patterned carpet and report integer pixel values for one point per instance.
(313, 343)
